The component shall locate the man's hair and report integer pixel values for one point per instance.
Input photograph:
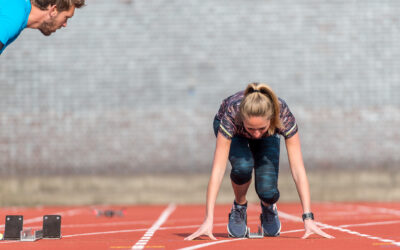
(62, 5)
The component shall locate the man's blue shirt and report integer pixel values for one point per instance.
(14, 16)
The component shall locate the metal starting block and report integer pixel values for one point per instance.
(31, 235)
(258, 235)
(14, 228)
(52, 227)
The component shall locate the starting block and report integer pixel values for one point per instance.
(258, 235)
(31, 235)
(14, 229)
(250, 235)
(52, 227)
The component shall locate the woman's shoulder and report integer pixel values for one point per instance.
(283, 106)
(235, 98)
(281, 101)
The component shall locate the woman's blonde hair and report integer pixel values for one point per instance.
(259, 100)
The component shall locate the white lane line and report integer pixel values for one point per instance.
(372, 224)
(147, 236)
(226, 241)
(122, 223)
(107, 232)
(209, 244)
(136, 230)
(379, 209)
(298, 219)
(108, 224)
(293, 231)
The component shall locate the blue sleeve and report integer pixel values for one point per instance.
(8, 29)
(12, 20)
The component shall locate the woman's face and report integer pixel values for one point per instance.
(256, 126)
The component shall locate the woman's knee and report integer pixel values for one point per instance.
(241, 170)
(269, 197)
(266, 180)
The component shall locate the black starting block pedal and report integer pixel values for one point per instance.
(52, 227)
(13, 227)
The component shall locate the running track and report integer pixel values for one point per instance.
(355, 226)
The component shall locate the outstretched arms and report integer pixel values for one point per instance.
(300, 178)
(217, 173)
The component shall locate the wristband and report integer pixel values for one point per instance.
(309, 215)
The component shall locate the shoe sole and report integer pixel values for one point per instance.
(230, 235)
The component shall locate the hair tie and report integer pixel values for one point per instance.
(256, 90)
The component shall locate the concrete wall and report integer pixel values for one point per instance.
(132, 86)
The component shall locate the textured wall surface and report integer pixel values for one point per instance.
(132, 86)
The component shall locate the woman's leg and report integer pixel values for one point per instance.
(266, 156)
(242, 163)
(242, 166)
(240, 192)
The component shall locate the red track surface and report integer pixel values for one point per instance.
(355, 226)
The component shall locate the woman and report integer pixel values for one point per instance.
(247, 126)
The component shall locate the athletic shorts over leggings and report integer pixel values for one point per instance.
(260, 154)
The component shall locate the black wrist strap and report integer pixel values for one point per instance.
(309, 215)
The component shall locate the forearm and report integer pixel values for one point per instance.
(212, 190)
(303, 187)
(217, 173)
(298, 171)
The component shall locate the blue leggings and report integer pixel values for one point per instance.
(262, 155)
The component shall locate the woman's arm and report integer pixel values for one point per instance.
(298, 171)
(217, 173)
(300, 178)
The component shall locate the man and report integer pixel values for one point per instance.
(44, 15)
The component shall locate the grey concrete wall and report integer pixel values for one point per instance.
(132, 85)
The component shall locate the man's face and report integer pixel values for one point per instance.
(56, 20)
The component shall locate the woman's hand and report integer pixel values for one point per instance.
(311, 228)
(217, 173)
(205, 229)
